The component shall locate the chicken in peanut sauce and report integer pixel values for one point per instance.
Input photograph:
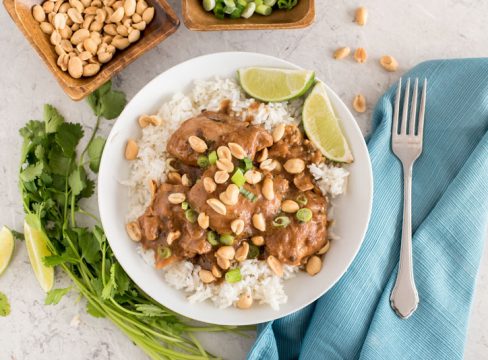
(235, 186)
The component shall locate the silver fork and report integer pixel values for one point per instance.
(407, 146)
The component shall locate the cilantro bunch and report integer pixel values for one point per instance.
(53, 180)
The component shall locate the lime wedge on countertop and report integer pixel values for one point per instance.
(6, 248)
(322, 126)
(36, 242)
(275, 85)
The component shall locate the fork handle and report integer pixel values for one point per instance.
(404, 297)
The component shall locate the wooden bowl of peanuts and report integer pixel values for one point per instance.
(86, 42)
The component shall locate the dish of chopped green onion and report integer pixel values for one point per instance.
(235, 9)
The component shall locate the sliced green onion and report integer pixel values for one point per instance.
(230, 3)
(247, 164)
(242, 3)
(212, 238)
(164, 252)
(219, 10)
(191, 215)
(281, 221)
(185, 205)
(238, 178)
(249, 10)
(247, 194)
(258, 2)
(212, 158)
(263, 10)
(302, 200)
(236, 14)
(304, 215)
(229, 10)
(208, 5)
(269, 2)
(226, 239)
(253, 252)
(233, 276)
(202, 161)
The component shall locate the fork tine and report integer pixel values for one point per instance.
(396, 111)
(413, 108)
(405, 108)
(420, 130)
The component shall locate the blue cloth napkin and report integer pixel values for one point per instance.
(450, 215)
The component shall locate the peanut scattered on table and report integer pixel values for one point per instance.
(87, 33)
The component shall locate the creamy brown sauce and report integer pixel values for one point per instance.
(292, 244)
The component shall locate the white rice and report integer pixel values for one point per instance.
(151, 164)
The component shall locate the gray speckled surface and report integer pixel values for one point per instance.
(407, 30)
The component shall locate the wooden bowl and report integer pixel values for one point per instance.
(196, 18)
(164, 23)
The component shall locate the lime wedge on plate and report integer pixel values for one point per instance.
(36, 242)
(322, 126)
(275, 85)
(6, 248)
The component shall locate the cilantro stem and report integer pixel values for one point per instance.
(89, 214)
(94, 133)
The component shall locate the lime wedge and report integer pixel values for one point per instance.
(322, 126)
(36, 242)
(6, 248)
(275, 85)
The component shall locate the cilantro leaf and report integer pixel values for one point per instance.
(31, 172)
(121, 279)
(90, 309)
(75, 182)
(95, 153)
(112, 104)
(106, 102)
(150, 310)
(58, 163)
(55, 295)
(67, 257)
(4, 305)
(68, 137)
(88, 184)
(52, 118)
(110, 286)
(90, 248)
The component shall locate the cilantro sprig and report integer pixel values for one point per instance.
(53, 179)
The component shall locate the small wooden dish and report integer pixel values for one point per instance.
(164, 23)
(196, 18)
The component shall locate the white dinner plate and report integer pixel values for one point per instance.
(351, 213)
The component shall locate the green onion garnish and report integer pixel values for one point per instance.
(202, 161)
(304, 215)
(208, 5)
(233, 276)
(253, 252)
(219, 10)
(281, 221)
(263, 10)
(212, 158)
(247, 194)
(164, 252)
(238, 178)
(212, 238)
(226, 239)
(185, 205)
(191, 215)
(302, 200)
(247, 164)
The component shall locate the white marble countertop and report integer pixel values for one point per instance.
(408, 30)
